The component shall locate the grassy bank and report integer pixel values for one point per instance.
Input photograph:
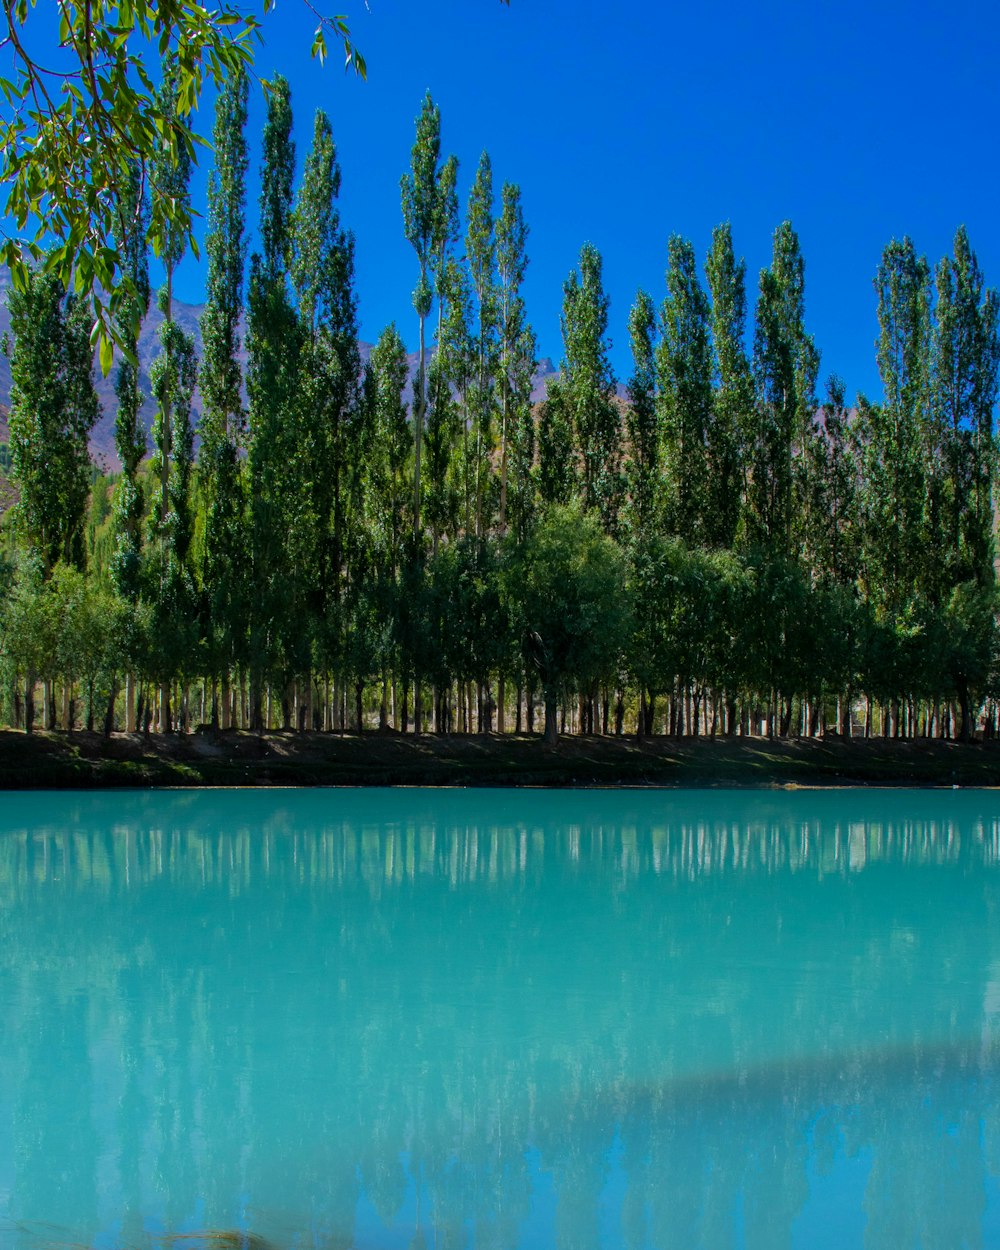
(60, 760)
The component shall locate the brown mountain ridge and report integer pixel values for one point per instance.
(102, 439)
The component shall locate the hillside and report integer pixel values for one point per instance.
(102, 441)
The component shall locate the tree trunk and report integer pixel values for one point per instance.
(29, 703)
(551, 718)
(109, 714)
(965, 730)
(129, 703)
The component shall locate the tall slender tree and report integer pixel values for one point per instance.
(323, 278)
(278, 618)
(684, 376)
(456, 348)
(965, 356)
(130, 437)
(172, 375)
(516, 357)
(53, 408)
(422, 221)
(894, 437)
(587, 384)
(785, 364)
(732, 401)
(220, 475)
(480, 250)
(643, 466)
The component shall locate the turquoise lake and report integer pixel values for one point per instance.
(500, 1019)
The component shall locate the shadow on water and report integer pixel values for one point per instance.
(688, 1153)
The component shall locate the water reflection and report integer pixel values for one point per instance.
(496, 1020)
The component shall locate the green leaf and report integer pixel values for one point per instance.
(107, 352)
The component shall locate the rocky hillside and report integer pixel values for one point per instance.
(102, 440)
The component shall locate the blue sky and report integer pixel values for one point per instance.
(623, 125)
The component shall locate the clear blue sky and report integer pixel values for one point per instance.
(625, 124)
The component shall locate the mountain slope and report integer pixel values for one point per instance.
(102, 440)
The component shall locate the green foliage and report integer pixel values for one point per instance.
(71, 141)
(732, 401)
(515, 365)
(563, 593)
(642, 469)
(717, 543)
(785, 364)
(966, 352)
(53, 409)
(221, 480)
(130, 437)
(684, 377)
(430, 223)
(587, 387)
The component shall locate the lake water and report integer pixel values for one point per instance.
(496, 1019)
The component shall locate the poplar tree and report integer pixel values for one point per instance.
(643, 466)
(684, 384)
(223, 418)
(893, 437)
(732, 401)
(557, 474)
(442, 414)
(829, 492)
(480, 250)
(785, 364)
(964, 380)
(278, 619)
(389, 497)
(323, 278)
(456, 350)
(520, 437)
(53, 408)
(173, 377)
(130, 437)
(516, 363)
(173, 374)
(422, 220)
(587, 387)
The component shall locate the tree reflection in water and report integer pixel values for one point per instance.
(499, 1020)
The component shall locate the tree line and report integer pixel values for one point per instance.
(717, 550)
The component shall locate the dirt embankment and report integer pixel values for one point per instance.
(237, 758)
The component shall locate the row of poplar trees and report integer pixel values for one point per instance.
(335, 544)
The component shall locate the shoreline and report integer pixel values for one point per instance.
(238, 758)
